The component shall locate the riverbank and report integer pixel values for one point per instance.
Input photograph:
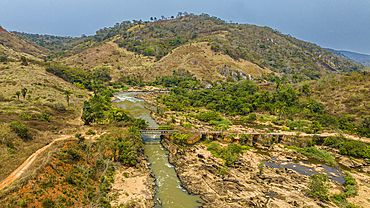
(199, 172)
(134, 186)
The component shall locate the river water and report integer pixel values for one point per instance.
(168, 189)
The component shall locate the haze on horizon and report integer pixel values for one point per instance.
(337, 24)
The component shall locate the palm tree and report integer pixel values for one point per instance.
(280, 108)
(24, 92)
(67, 93)
(18, 94)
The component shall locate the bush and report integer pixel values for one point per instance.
(48, 203)
(90, 132)
(353, 148)
(45, 117)
(318, 186)
(229, 154)
(209, 116)
(20, 129)
(319, 154)
(252, 117)
(25, 116)
(284, 128)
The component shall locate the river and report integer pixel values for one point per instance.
(168, 189)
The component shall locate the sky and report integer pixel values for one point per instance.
(337, 24)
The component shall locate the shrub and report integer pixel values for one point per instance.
(209, 116)
(25, 116)
(353, 148)
(20, 129)
(318, 186)
(45, 117)
(90, 132)
(252, 117)
(48, 203)
(319, 154)
(284, 128)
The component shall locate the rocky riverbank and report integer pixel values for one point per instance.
(134, 186)
(241, 185)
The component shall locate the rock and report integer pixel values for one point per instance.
(200, 156)
(346, 162)
(366, 169)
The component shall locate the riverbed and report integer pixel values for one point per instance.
(168, 187)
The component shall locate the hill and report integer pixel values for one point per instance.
(13, 45)
(262, 46)
(38, 115)
(359, 58)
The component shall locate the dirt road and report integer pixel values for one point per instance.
(26, 164)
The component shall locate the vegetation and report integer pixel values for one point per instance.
(319, 186)
(20, 129)
(350, 189)
(316, 153)
(349, 147)
(229, 153)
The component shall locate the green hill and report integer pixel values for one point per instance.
(262, 46)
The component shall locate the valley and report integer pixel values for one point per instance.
(246, 117)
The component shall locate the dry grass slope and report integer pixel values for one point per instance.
(197, 58)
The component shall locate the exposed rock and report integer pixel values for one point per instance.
(241, 185)
(346, 162)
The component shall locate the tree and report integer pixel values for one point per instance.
(318, 186)
(24, 61)
(366, 122)
(67, 93)
(18, 94)
(93, 110)
(306, 89)
(316, 126)
(24, 92)
(280, 108)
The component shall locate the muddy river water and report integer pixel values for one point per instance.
(168, 189)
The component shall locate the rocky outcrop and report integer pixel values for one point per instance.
(238, 186)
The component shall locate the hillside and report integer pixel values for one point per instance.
(12, 45)
(359, 58)
(262, 46)
(43, 111)
(197, 58)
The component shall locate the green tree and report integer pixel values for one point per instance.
(319, 186)
(316, 126)
(18, 94)
(24, 92)
(93, 110)
(67, 93)
(306, 89)
(24, 61)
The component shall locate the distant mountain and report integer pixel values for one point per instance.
(359, 58)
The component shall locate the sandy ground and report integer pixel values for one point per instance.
(132, 189)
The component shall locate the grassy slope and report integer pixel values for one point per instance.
(14, 77)
(13, 45)
(352, 97)
(110, 55)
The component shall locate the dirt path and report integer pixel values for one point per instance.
(26, 164)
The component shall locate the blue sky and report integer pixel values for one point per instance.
(338, 24)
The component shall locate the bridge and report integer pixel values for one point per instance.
(152, 130)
